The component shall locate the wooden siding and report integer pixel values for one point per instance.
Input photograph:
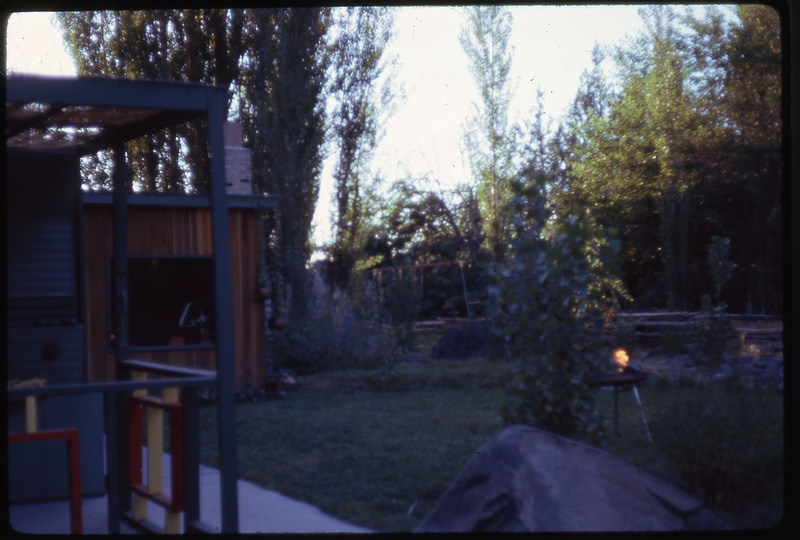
(176, 231)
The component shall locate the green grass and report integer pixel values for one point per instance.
(368, 446)
(722, 443)
(377, 448)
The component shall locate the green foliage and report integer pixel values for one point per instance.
(713, 331)
(362, 92)
(713, 328)
(720, 266)
(337, 333)
(399, 301)
(422, 224)
(283, 116)
(490, 140)
(186, 45)
(549, 305)
(673, 147)
(725, 446)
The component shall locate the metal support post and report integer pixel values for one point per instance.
(222, 290)
(120, 301)
(191, 459)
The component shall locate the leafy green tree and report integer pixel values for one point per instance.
(490, 139)
(549, 307)
(282, 111)
(361, 90)
(424, 225)
(753, 100)
(682, 144)
(713, 329)
(189, 45)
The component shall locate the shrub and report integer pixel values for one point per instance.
(337, 333)
(548, 304)
(399, 303)
(713, 331)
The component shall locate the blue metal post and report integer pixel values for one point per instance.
(112, 462)
(120, 302)
(222, 290)
(191, 459)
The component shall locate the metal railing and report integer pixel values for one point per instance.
(181, 386)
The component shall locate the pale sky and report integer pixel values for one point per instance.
(423, 139)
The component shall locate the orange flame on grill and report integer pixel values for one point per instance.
(621, 359)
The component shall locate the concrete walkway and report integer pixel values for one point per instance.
(260, 511)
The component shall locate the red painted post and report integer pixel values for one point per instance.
(176, 463)
(175, 410)
(75, 482)
(135, 443)
(71, 436)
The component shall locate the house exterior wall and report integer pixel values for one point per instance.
(166, 230)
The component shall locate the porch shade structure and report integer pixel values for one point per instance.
(88, 114)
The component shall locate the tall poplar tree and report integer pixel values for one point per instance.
(490, 138)
(283, 114)
(184, 45)
(361, 94)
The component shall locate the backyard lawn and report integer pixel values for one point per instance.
(377, 448)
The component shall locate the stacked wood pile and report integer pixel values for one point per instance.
(761, 330)
(764, 331)
(441, 324)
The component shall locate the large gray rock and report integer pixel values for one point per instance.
(527, 479)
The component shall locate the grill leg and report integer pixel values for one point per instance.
(616, 411)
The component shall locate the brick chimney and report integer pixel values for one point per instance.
(237, 161)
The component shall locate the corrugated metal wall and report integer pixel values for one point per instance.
(42, 266)
(45, 339)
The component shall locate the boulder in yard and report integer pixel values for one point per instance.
(529, 480)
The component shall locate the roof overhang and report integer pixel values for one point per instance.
(88, 114)
(182, 200)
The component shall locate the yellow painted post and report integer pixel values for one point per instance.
(172, 520)
(30, 414)
(139, 502)
(155, 449)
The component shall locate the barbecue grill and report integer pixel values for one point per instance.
(625, 378)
